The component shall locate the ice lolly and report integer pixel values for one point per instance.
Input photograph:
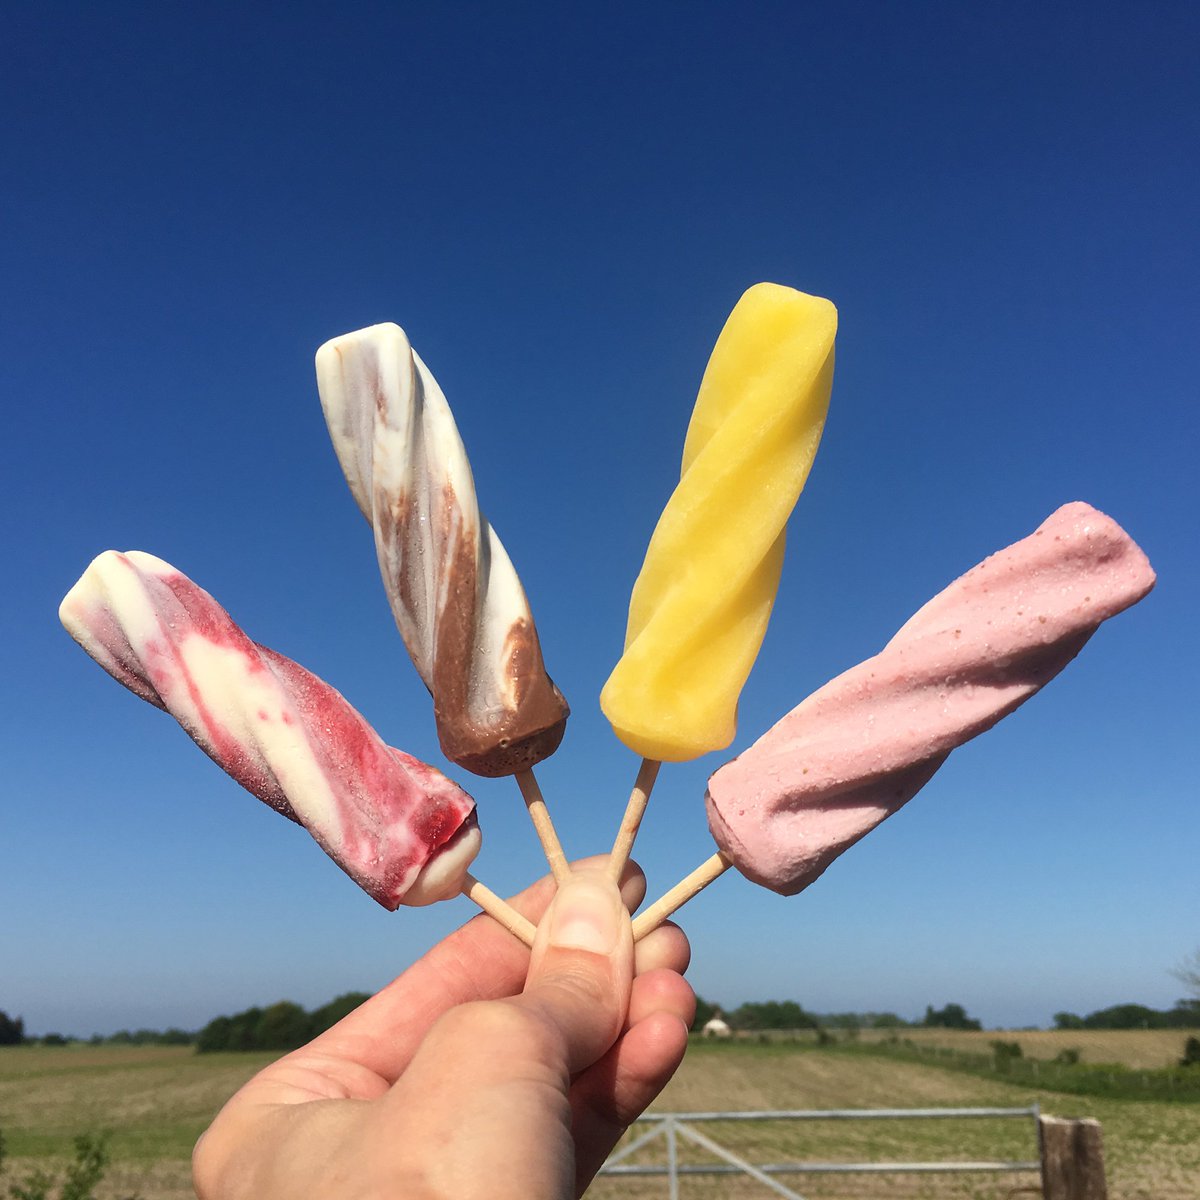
(399, 828)
(864, 744)
(453, 591)
(701, 603)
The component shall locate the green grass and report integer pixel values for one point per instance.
(1113, 1080)
(155, 1101)
(1152, 1149)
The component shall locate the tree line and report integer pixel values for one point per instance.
(1184, 1015)
(12, 1033)
(281, 1026)
(787, 1014)
(285, 1025)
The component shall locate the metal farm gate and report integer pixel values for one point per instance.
(672, 1127)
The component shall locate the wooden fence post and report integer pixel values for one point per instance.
(1072, 1154)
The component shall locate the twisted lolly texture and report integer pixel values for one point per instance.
(400, 829)
(701, 603)
(867, 742)
(453, 591)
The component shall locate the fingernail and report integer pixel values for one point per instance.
(587, 915)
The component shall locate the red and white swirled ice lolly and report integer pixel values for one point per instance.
(865, 743)
(453, 591)
(399, 828)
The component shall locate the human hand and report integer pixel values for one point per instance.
(484, 1070)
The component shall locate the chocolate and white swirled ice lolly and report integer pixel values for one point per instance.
(453, 591)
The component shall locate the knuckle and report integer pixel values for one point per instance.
(495, 1025)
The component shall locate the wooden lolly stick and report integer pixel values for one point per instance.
(547, 835)
(680, 894)
(519, 926)
(632, 820)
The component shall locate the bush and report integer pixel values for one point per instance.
(1191, 1053)
(1068, 1056)
(1005, 1052)
(80, 1181)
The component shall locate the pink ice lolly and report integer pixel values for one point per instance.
(399, 828)
(863, 745)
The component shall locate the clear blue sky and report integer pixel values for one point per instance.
(560, 204)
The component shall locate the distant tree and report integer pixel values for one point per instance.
(12, 1032)
(1191, 1053)
(887, 1021)
(1185, 1015)
(772, 1014)
(1067, 1020)
(1188, 973)
(53, 1039)
(243, 1030)
(745, 1016)
(704, 1013)
(282, 1026)
(953, 1016)
(1125, 1016)
(214, 1036)
(792, 1016)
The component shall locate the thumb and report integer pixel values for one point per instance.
(581, 969)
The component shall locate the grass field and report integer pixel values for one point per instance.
(1140, 1048)
(156, 1101)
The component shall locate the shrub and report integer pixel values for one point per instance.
(1191, 1053)
(81, 1179)
(1005, 1053)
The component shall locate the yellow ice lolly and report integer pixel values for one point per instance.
(700, 606)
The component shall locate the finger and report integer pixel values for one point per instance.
(661, 990)
(614, 1092)
(609, 1096)
(581, 967)
(633, 882)
(665, 947)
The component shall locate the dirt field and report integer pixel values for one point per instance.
(157, 1100)
(1142, 1048)
(1152, 1150)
